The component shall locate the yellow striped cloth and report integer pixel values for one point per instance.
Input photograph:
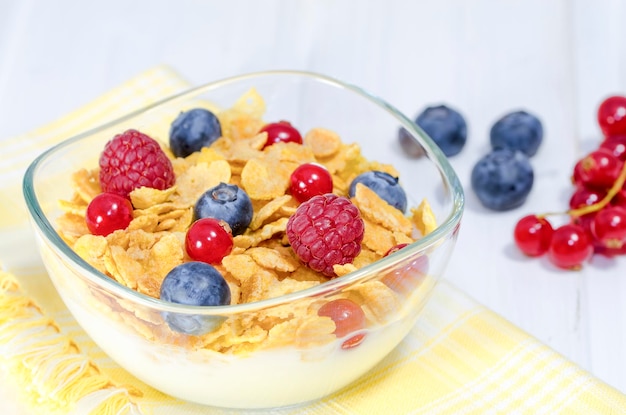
(461, 358)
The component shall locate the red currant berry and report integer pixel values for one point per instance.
(108, 212)
(533, 235)
(570, 247)
(612, 115)
(209, 240)
(348, 317)
(599, 169)
(308, 180)
(281, 132)
(584, 196)
(616, 145)
(609, 226)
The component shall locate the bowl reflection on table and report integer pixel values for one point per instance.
(131, 328)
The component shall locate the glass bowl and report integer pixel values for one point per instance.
(303, 362)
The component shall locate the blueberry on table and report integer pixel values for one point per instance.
(192, 130)
(445, 126)
(384, 185)
(196, 284)
(227, 202)
(518, 130)
(502, 179)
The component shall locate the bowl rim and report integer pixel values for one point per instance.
(433, 152)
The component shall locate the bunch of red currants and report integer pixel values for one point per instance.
(597, 207)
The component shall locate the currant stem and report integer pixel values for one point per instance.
(617, 186)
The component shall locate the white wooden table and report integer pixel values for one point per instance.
(558, 59)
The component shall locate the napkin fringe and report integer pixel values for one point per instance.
(48, 367)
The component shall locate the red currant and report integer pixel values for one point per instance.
(209, 240)
(308, 180)
(348, 317)
(533, 235)
(599, 169)
(584, 196)
(609, 226)
(616, 145)
(570, 247)
(281, 132)
(108, 212)
(612, 115)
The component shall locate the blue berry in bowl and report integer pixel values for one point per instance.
(445, 126)
(192, 130)
(518, 130)
(196, 284)
(502, 179)
(227, 202)
(384, 185)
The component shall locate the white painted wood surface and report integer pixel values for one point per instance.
(555, 58)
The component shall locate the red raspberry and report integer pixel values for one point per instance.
(132, 160)
(326, 230)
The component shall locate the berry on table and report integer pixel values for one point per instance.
(609, 227)
(612, 115)
(209, 240)
(196, 284)
(192, 130)
(615, 145)
(281, 132)
(445, 126)
(308, 180)
(598, 169)
(326, 230)
(227, 202)
(518, 130)
(570, 247)
(132, 160)
(348, 317)
(532, 235)
(502, 179)
(384, 185)
(108, 212)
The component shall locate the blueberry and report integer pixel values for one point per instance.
(227, 202)
(517, 130)
(502, 179)
(445, 126)
(192, 130)
(197, 284)
(384, 185)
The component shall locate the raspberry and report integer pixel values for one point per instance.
(326, 230)
(132, 160)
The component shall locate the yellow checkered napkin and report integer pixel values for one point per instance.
(460, 359)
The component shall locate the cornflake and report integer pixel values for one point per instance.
(261, 265)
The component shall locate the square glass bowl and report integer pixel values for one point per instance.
(132, 328)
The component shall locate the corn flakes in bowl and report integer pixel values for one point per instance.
(255, 242)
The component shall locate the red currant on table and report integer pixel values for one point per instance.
(107, 213)
(281, 132)
(616, 145)
(609, 227)
(612, 115)
(348, 317)
(209, 240)
(599, 169)
(570, 247)
(308, 180)
(533, 235)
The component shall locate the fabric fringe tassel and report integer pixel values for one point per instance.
(47, 367)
